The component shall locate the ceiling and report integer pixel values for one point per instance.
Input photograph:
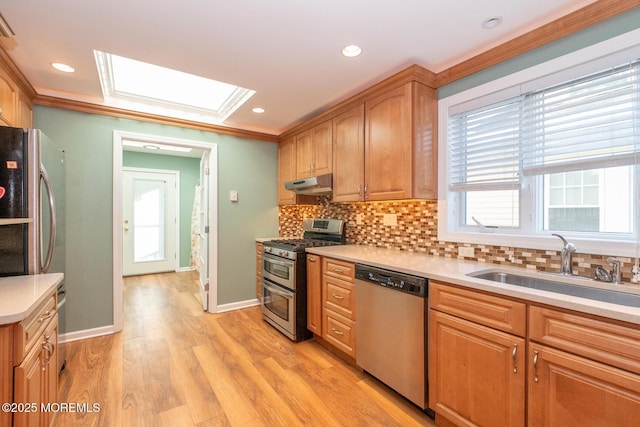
(288, 51)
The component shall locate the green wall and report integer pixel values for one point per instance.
(189, 168)
(247, 166)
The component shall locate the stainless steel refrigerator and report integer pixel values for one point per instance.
(32, 193)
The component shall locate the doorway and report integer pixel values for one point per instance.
(150, 221)
(210, 149)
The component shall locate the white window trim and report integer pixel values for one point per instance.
(573, 65)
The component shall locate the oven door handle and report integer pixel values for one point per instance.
(277, 291)
(275, 261)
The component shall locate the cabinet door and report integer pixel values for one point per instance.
(388, 145)
(568, 390)
(314, 294)
(425, 142)
(50, 374)
(304, 154)
(322, 148)
(7, 99)
(348, 155)
(29, 385)
(23, 111)
(286, 170)
(476, 374)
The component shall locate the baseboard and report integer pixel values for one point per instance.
(84, 334)
(238, 305)
(108, 330)
(183, 269)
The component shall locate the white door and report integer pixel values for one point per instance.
(149, 221)
(203, 233)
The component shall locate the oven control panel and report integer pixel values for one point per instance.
(279, 252)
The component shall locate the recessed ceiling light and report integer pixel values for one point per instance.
(258, 110)
(351, 51)
(492, 22)
(63, 67)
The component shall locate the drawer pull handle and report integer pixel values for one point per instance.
(45, 316)
(337, 270)
(513, 356)
(535, 366)
(336, 296)
(337, 332)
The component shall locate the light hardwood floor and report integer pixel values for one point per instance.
(174, 365)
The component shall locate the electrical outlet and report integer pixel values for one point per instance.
(390, 219)
(359, 219)
(466, 251)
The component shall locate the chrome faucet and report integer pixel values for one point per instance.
(566, 256)
(615, 273)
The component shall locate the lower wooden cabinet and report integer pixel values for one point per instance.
(477, 374)
(583, 371)
(258, 270)
(578, 370)
(36, 380)
(314, 294)
(331, 302)
(569, 390)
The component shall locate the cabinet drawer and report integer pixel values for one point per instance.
(339, 331)
(493, 311)
(339, 269)
(27, 331)
(595, 339)
(339, 296)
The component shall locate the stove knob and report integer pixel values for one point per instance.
(267, 249)
(283, 253)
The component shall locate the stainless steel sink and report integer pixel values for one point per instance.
(604, 295)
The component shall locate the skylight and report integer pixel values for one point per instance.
(137, 85)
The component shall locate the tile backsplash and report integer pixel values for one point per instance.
(417, 231)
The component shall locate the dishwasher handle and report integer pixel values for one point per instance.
(414, 285)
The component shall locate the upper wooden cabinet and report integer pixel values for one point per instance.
(383, 141)
(348, 155)
(15, 106)
(386, 149)
(314, 152)
(286, 170)
(7, 99)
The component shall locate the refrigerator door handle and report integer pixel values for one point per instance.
(52, 219)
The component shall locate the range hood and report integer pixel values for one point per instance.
(314, 186)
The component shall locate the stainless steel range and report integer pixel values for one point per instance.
(284, 276)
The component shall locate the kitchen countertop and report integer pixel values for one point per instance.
(455, 272)
(19, 295)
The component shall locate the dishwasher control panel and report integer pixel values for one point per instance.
(414, 285)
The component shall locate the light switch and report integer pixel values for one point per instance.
(233, 196)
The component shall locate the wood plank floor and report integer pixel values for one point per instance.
(174, 365)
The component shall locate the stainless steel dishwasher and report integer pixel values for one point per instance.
(391, 330)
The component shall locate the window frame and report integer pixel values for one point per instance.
(591, 59)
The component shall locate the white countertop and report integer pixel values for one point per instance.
(455, 271)
(19, 295)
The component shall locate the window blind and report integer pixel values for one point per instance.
(588, 123)
(484, 147)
